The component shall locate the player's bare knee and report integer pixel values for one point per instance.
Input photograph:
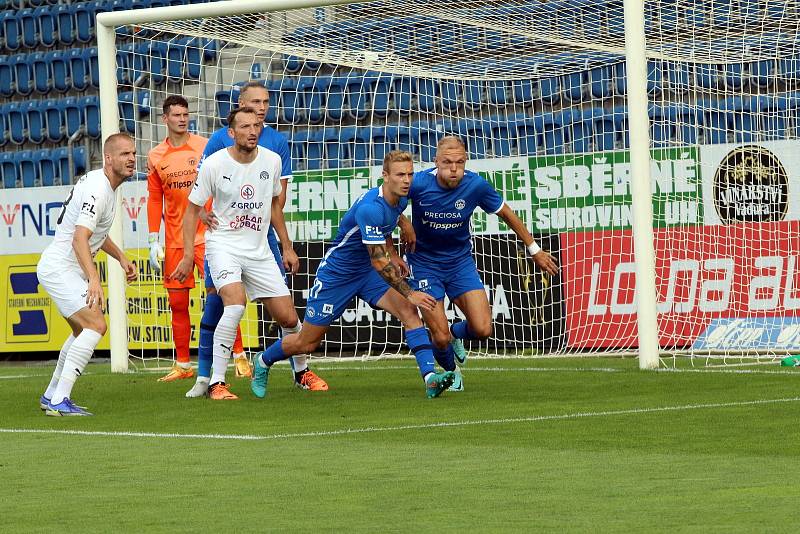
(98, 325)
(441, 339)
(482, 330)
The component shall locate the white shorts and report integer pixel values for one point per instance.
(261, 278)
(68, 288)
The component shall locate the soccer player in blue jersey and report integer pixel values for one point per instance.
(253, 95)
(362, 261)
(439, 249)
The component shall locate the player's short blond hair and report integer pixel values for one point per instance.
(396, 156)
(448, 140)
(113, 141)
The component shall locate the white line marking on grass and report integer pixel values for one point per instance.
(372, 429)
(785, 371)
(9, 377)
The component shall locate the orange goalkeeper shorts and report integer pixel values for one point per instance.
(172, 257)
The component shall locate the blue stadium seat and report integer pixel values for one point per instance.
(17, 123)
(59, 69)
(425, 135)
(293, 64)
(427, 94)
(54, 119)
(706, 75)
(298, 145)
(79, 71)
(315, 150)
(572, 86)
(46, 23)
(334, 89)
(26, 168)
(334, 151)
(23, 74)
(474, 94)
(401, 90)
(620, 117)
(789, 68)
(61, 158)
(45, 166)
(65, 21)
(3, 126)
(121, 5)
(715, 122)
(124, 64)
(85, 14)
(600, 82)
(376, 138)
(8, 169)
(523, 91)
(92, 66)
(664, 125)
(158, 62)
(310, 99)
(291, 103)
(35, 120)
(498, 92)
(11, 30)
(451, 94)
(176, 53)
(655, 78)
(139, 66)
(90, 110)
(550, 90)
(379, 95)
(504, 135)
(194, 58)
(356, 98)
(762, 73)
(678, 76)
(604, 132)
(581, 129)
(6, 77)
(529, 135)
(30, 28)
(73, 115)
(130, 111)
(223, 105)
(42, 80)
(79, 162)
(733, 75)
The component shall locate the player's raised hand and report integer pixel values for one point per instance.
(422, 300)
(131, 272)
(209, 218)
(183, 269)
(546, 262)
(156, 252)
(400, 265)
(290, 261)
(94, 296)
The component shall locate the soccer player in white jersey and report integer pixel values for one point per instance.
(67, 271)
(244, 182)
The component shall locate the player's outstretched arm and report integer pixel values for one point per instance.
(83, 253)
(290, 259)
(408, 237)
(155, 208)
(111, 248)
(382, 262)
(540, 257)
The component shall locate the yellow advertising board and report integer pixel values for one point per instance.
(32, 322)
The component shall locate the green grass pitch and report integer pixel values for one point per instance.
(531, 445)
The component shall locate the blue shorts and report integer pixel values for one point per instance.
(452, 280)
(272, 239)
(329, 296)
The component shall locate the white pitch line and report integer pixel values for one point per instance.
(9, 377)
(372, 429)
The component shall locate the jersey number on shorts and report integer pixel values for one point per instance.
(64, 206)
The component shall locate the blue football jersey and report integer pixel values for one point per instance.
(441, 216)
(369, 221)
(270, 138)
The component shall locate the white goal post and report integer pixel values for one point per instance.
(646, 143)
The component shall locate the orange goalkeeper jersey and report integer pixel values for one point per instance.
(171, 172)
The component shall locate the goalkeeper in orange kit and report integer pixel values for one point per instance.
(171, 172)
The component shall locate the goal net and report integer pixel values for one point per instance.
(540, 94)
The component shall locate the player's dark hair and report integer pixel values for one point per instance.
(395, 156)
(236, 111)
(174, 100)
(250, 85)
(450, 140)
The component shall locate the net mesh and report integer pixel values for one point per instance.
(538, 91)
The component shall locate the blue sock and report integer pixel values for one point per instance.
(274, 353)
(445, 358)
(208, 323)
(420, 344)
(461, 330)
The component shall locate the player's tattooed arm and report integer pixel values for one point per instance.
(382, 262)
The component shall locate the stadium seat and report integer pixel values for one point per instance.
(139, 66)
(379, 95)
(677, 75)
(599, 80)
(504, 135)
(23, 74)
(194, 58)
(3, 126)
(706, 75)
(30, 28)
(45, 166)
(11, 30)
(425, 135)
(37, 131)
(733, 75)
(497, 91)
(8, 169)
(356, 98)
(17, 123)
(26, 168)
(401, 90)
(65, 22)
(298, 146)
(85, 14)
(315, 148)
(581, 129)
(158, 62)
(310, 99)
(42, 81)
(54, 119)
(789, 69)
(73, 116)
(427, 94)
(6, 77)
(290, 102)
(61, 158)
(176, 54)
(451, 95)
(664, 125)
(90, 110)
(79, 72)
(474, 96)
(59, 69)
(333, 89)
(124, 64)
(293, 64)
(572, 86)
(131, 111)
(46, 22)
(523, 91)
(121, 5)
(550, 90)
(223, 105)
(529, 135)
(762, 73)
(92, 66)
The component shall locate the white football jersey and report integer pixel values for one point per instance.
(242, 202)
(89, 204)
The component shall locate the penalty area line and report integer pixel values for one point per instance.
(426, 426)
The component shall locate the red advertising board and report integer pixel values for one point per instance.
(702, 272)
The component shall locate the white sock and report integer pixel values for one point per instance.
(78, 356)
(224, 336)
(62, 357)
(185, 365)
(300, 361)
